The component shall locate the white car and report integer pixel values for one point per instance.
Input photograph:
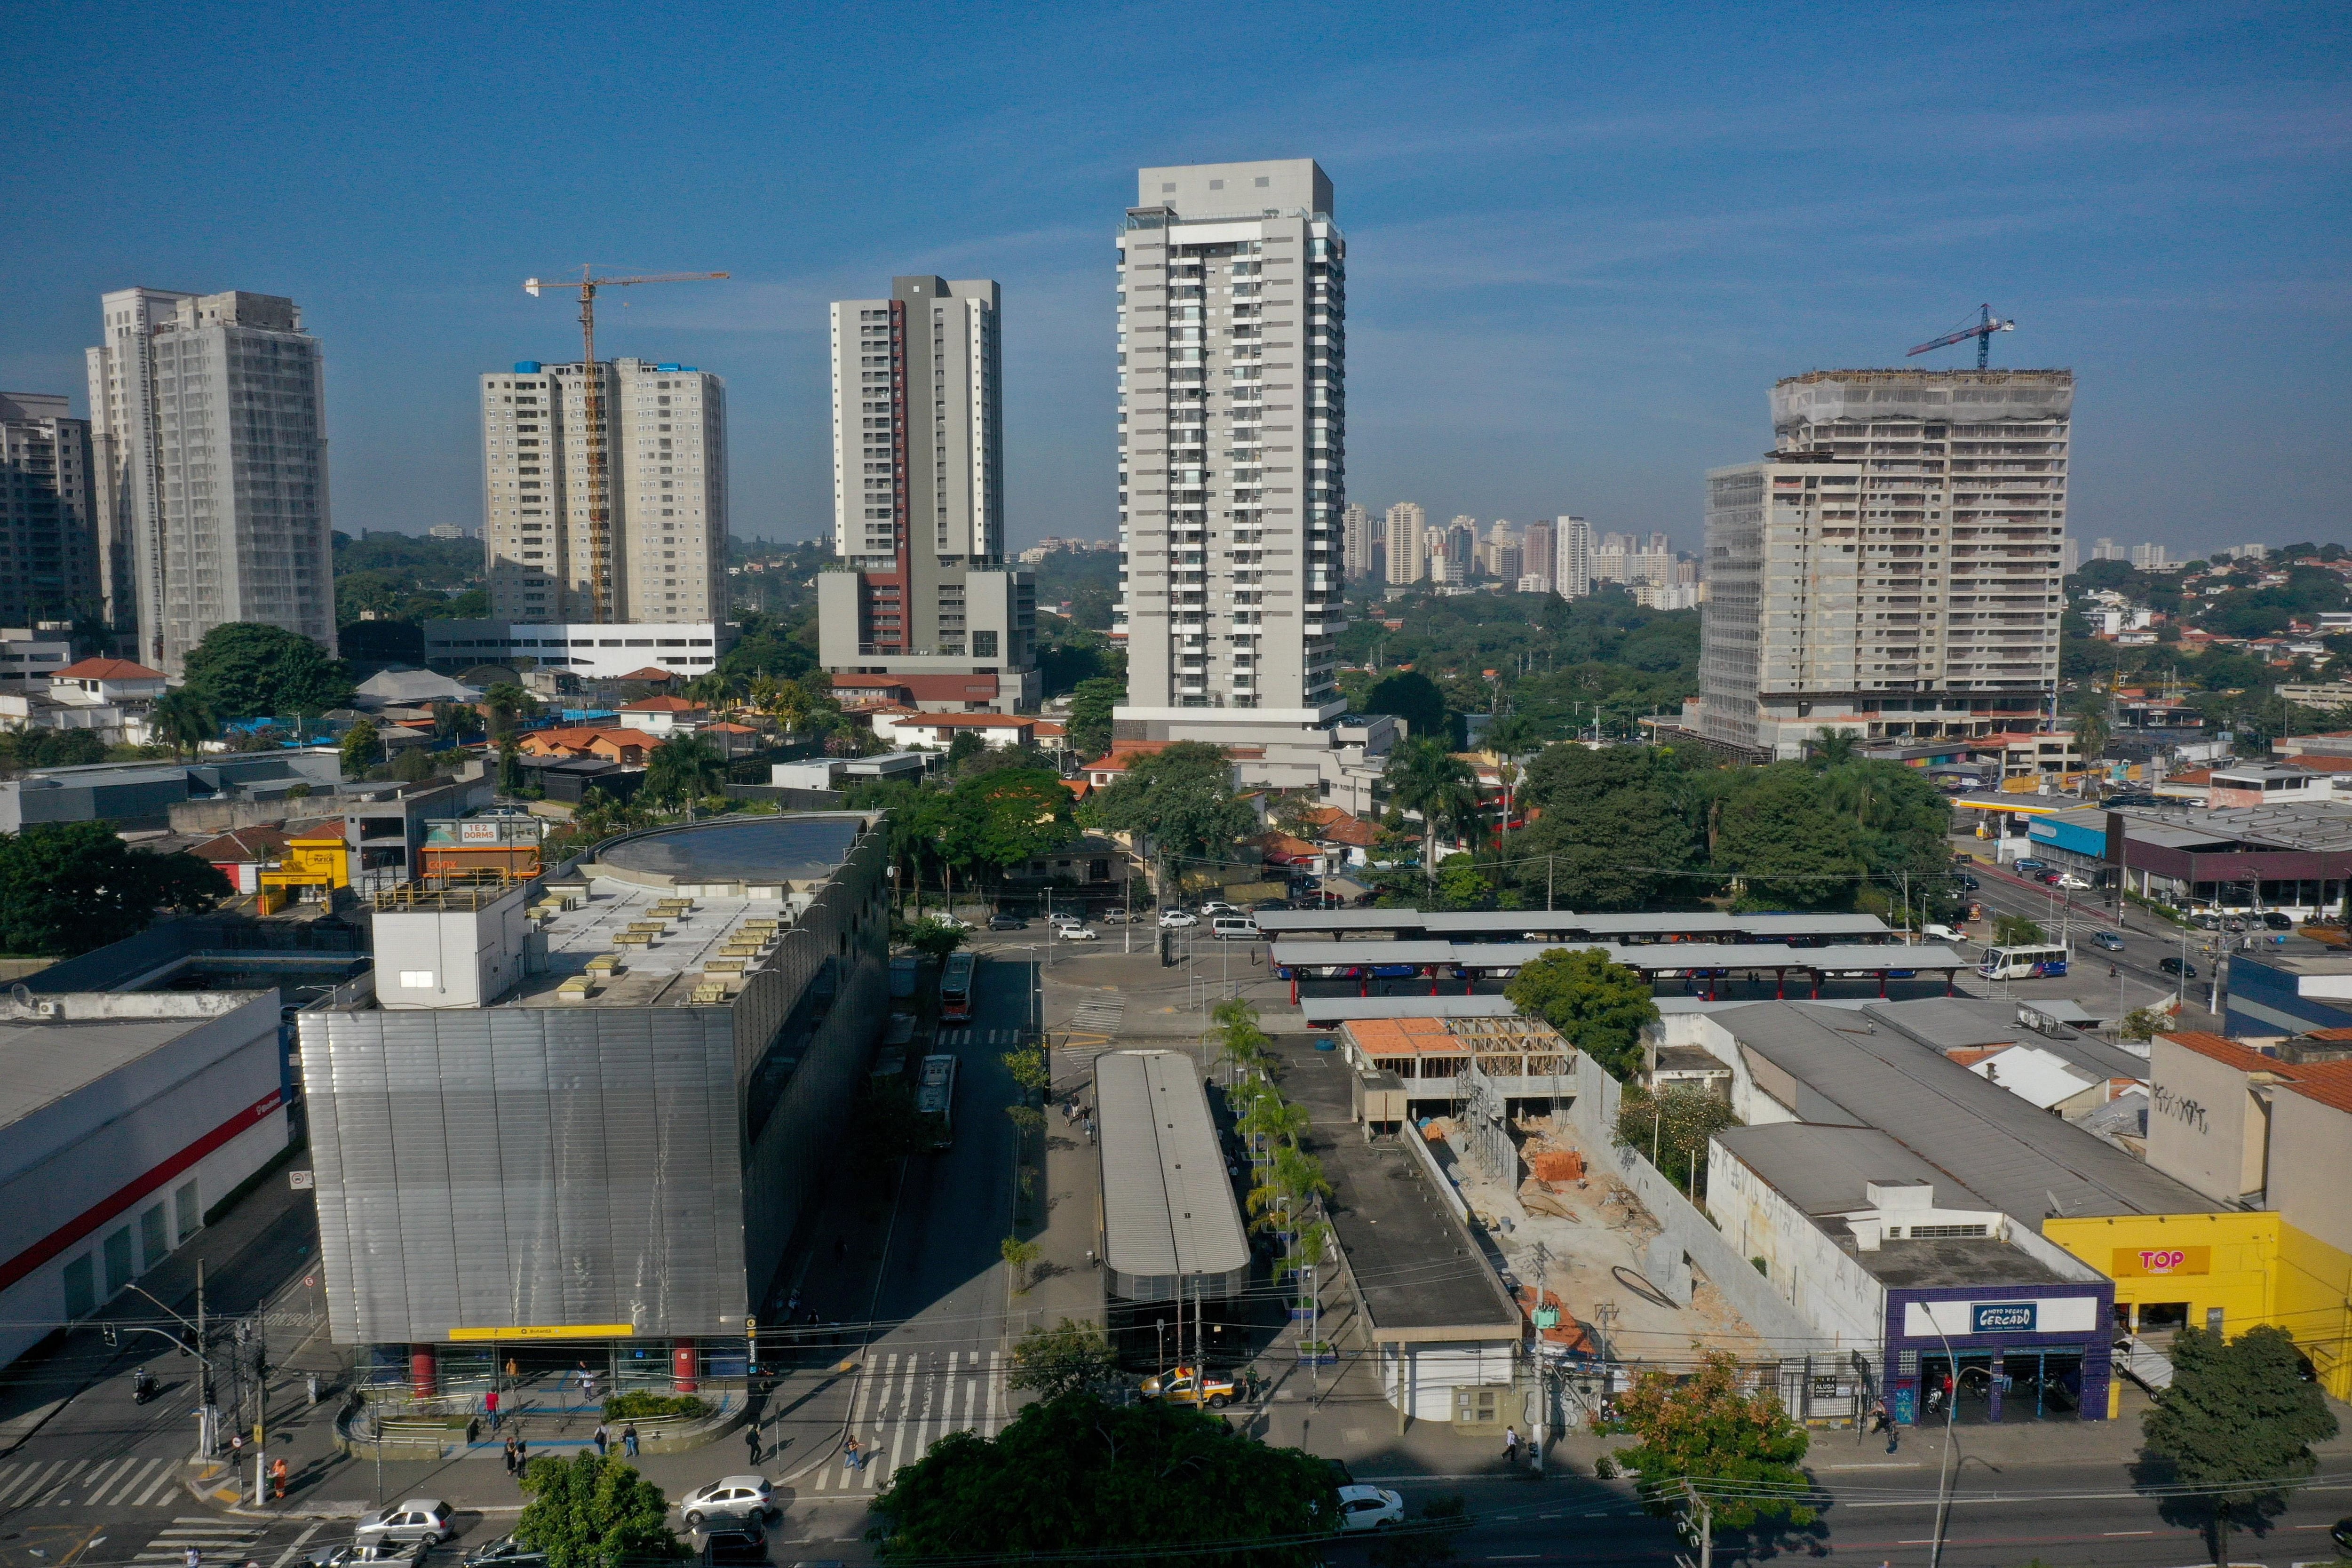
(1075, 933)
(1061, 917)
(1178, 919)
(1219, 907)
(418, 1518)
(1369, 1508)
(734, 1496)
(2071, 881)
(1943, 933)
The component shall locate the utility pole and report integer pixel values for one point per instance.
(1698, 1521)
(207, 1416)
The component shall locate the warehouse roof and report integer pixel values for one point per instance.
(1976, 1133)
(1168, 1205)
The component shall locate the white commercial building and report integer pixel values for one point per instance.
(208, 418)
(588, 649)
(1408, 546)
(1232, 465)
(661, 430)
(1894, 567)
(124, 1119)
(920, 591)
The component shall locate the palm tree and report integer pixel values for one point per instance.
(184, 720)
(710, 689)
(687, 768)
(1422, 776)
(1834, 748)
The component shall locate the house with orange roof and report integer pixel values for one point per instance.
(665, 715)
(732, 740)
(631, 748)
(91, 681)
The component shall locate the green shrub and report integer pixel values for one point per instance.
(639, 1406)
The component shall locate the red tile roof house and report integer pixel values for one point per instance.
(664, 716)
(627, 747)
(93, 680)
(1104, 770)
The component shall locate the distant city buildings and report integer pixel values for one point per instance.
(2149, 557)
(1054, 544)
(1357, 541)
(1408, 550)
(1888, 568)
(663, 553)
(208, 425)
(1572, 574)
(48, 541)
(924, 595)
(1538, 551)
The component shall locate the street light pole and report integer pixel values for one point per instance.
(1951, 1404)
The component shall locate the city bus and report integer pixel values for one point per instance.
(935, 1098)
(2024, 963)
(955, 987)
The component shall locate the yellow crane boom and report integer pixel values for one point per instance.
(591, 392)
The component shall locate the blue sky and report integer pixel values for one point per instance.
(1583, 241)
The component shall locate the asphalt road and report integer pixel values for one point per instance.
(2147, 941)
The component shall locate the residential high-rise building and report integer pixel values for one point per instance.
(1357, 551)
(1539, 559)
(2148, 556)
(209, 428)
(2108, 550)
(2070, 555)
(918, 503)
(664, 431)
(1408, 548)
(1232, 375)
(1572, 576)
(1460, 543)
(49, 544)
(1892, 567)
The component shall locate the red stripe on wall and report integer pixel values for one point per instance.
(123, 1198)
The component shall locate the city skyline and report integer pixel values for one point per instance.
(1569, 283)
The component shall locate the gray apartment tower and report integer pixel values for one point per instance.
(923, 596)
(208, 421)
(665, 434)
(1232, 339)
(48, 546)
(1894, 566)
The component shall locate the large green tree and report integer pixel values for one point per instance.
(2234, 1431)
(245, 670)
(66, 888)
(683, 768)
(1707, 1428)
(1006, 819)
(1090, 710)
(1068, 1358)
(1415, 698)
(1180, 805)
(1784, 843)
(589, 1511)
(1600, 1008)
(1612, 828)
(1426, 779)
(1072, 1475)
(1672, 1131)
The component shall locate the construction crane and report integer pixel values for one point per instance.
(1985, 326)
(591, 392)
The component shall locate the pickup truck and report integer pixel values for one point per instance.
(1186, 1386)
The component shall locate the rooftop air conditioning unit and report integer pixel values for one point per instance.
(49, 1009)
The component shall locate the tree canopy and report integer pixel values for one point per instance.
(594, 1512)
(1181, 798)
(1598, 1006)
(2237, 1426)
(1612, 827)
(1415, 698)
(1090, 714)
(244, 670)
(1705, 1428)
(66, 888)
(1074, 1475)
(1068, 1358)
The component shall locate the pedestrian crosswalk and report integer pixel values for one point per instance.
(956, 1040)
(214, 1539)
(907, 1402)
(1102, 1015)
(112, 1482)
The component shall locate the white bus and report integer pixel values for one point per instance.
(2024, 963)
(935, 1098)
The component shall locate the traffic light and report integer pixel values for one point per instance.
(107, 1329)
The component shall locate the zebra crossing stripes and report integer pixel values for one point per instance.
(909, 1402)
(956, 1040)
(1101, 1016)
(113, 1482)
(213, 1538)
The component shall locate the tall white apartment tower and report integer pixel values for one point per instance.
(1232, 460)
(665, 434)
(1572, 576)
(918, 503)
(1408, 546)
(1356, 542)
(1894, 565)
(209, 432)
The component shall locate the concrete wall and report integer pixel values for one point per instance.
(1593, 1113)
(1420, 1378)
(1819, 1279)
(2312, 1176)
(451, 958)
(2205, 1125)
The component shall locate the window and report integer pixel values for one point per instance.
(118, 1260)
(153, 1246)
(416, 979)
(81, 1294)
(983, 645)
(1263, 182)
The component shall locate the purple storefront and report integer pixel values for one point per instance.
(2035, 1350)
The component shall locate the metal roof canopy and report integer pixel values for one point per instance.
(1500, 922)
(1652, 958)
(1172, 1230)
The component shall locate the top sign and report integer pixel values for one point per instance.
(2002, 1317)
(2160, 1262)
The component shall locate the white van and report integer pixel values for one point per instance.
(1233, 928)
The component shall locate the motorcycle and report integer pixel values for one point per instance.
(143, 1386)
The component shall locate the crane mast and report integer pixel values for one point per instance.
(1982, 329)
(592, 397)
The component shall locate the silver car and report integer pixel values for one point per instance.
(428, 1520)
(735, 1497)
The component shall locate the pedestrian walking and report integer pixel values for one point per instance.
(588, 1386)
(511, 1370)
(511, 1466)
(490, 1407)
(849, 1446)
(629, 1439)
(278, 1479)
(752, 1440)
(602, 1439)
(522, 1457)
(1511, 1444)
(1090, 1131)
(192, 1558)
